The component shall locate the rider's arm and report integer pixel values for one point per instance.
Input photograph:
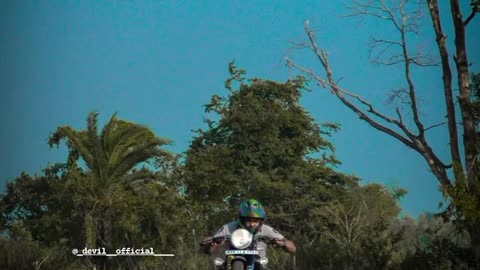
(280, 240)
(287, 245)
(211, 247)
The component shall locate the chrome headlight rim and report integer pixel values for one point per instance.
(241, 238)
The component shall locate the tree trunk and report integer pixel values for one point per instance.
(475, 245)
(104, 241)
(463, 188)
(468, 121)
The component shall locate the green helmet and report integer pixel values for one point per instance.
(251, 208)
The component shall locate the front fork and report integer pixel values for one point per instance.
(248, 261)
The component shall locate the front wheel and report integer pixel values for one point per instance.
(238, 265)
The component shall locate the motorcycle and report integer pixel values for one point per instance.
(242, 252)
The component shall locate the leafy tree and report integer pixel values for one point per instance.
(35, 220)
(27, 199)
(155, 217)
(263, 144)
(358, 224)
(430, 243)
(463, 188)
(102, 201)
(106, 196)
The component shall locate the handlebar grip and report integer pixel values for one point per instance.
(268, 240)
(210, 240)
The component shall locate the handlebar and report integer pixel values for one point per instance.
(211, 240)
(222, 239)
(267, 240)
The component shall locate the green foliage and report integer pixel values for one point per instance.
(475, 4)
(357, 226)
(430, 243)
(266, 146)
(475, 92)
(110, 155)
(263, 145)
(465, 197)
(107, 204)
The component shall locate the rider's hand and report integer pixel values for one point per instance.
(206, 242)
(210, 242)
(213, 243)
(280, 242)
(209, 245)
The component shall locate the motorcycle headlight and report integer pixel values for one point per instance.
(218, 262)
(241, 238)
(263, 261)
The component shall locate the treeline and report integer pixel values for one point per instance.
(118, 187)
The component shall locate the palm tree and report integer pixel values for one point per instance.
(108, 158)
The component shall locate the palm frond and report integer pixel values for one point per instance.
(106, 135)
(92, 132)
(138, 154)
(76, 141)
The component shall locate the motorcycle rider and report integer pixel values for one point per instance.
(251, 217)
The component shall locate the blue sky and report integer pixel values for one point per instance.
(157, 62)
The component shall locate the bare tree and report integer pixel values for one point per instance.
(464, 188)
(350, 222)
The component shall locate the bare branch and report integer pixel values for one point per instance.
(423, 61)
(469, 18)
(398, 94)
(400, 117)
(415, 142)
(314, 44)
(436, 125)
(406, 23)
(339, 92)
(376, 41)
(407, 61)
(382, 46)
(299, 45)
(335, 238)
(447, 82)
(390, 62)
(368, 9)
(391, 14)
(361, 218)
